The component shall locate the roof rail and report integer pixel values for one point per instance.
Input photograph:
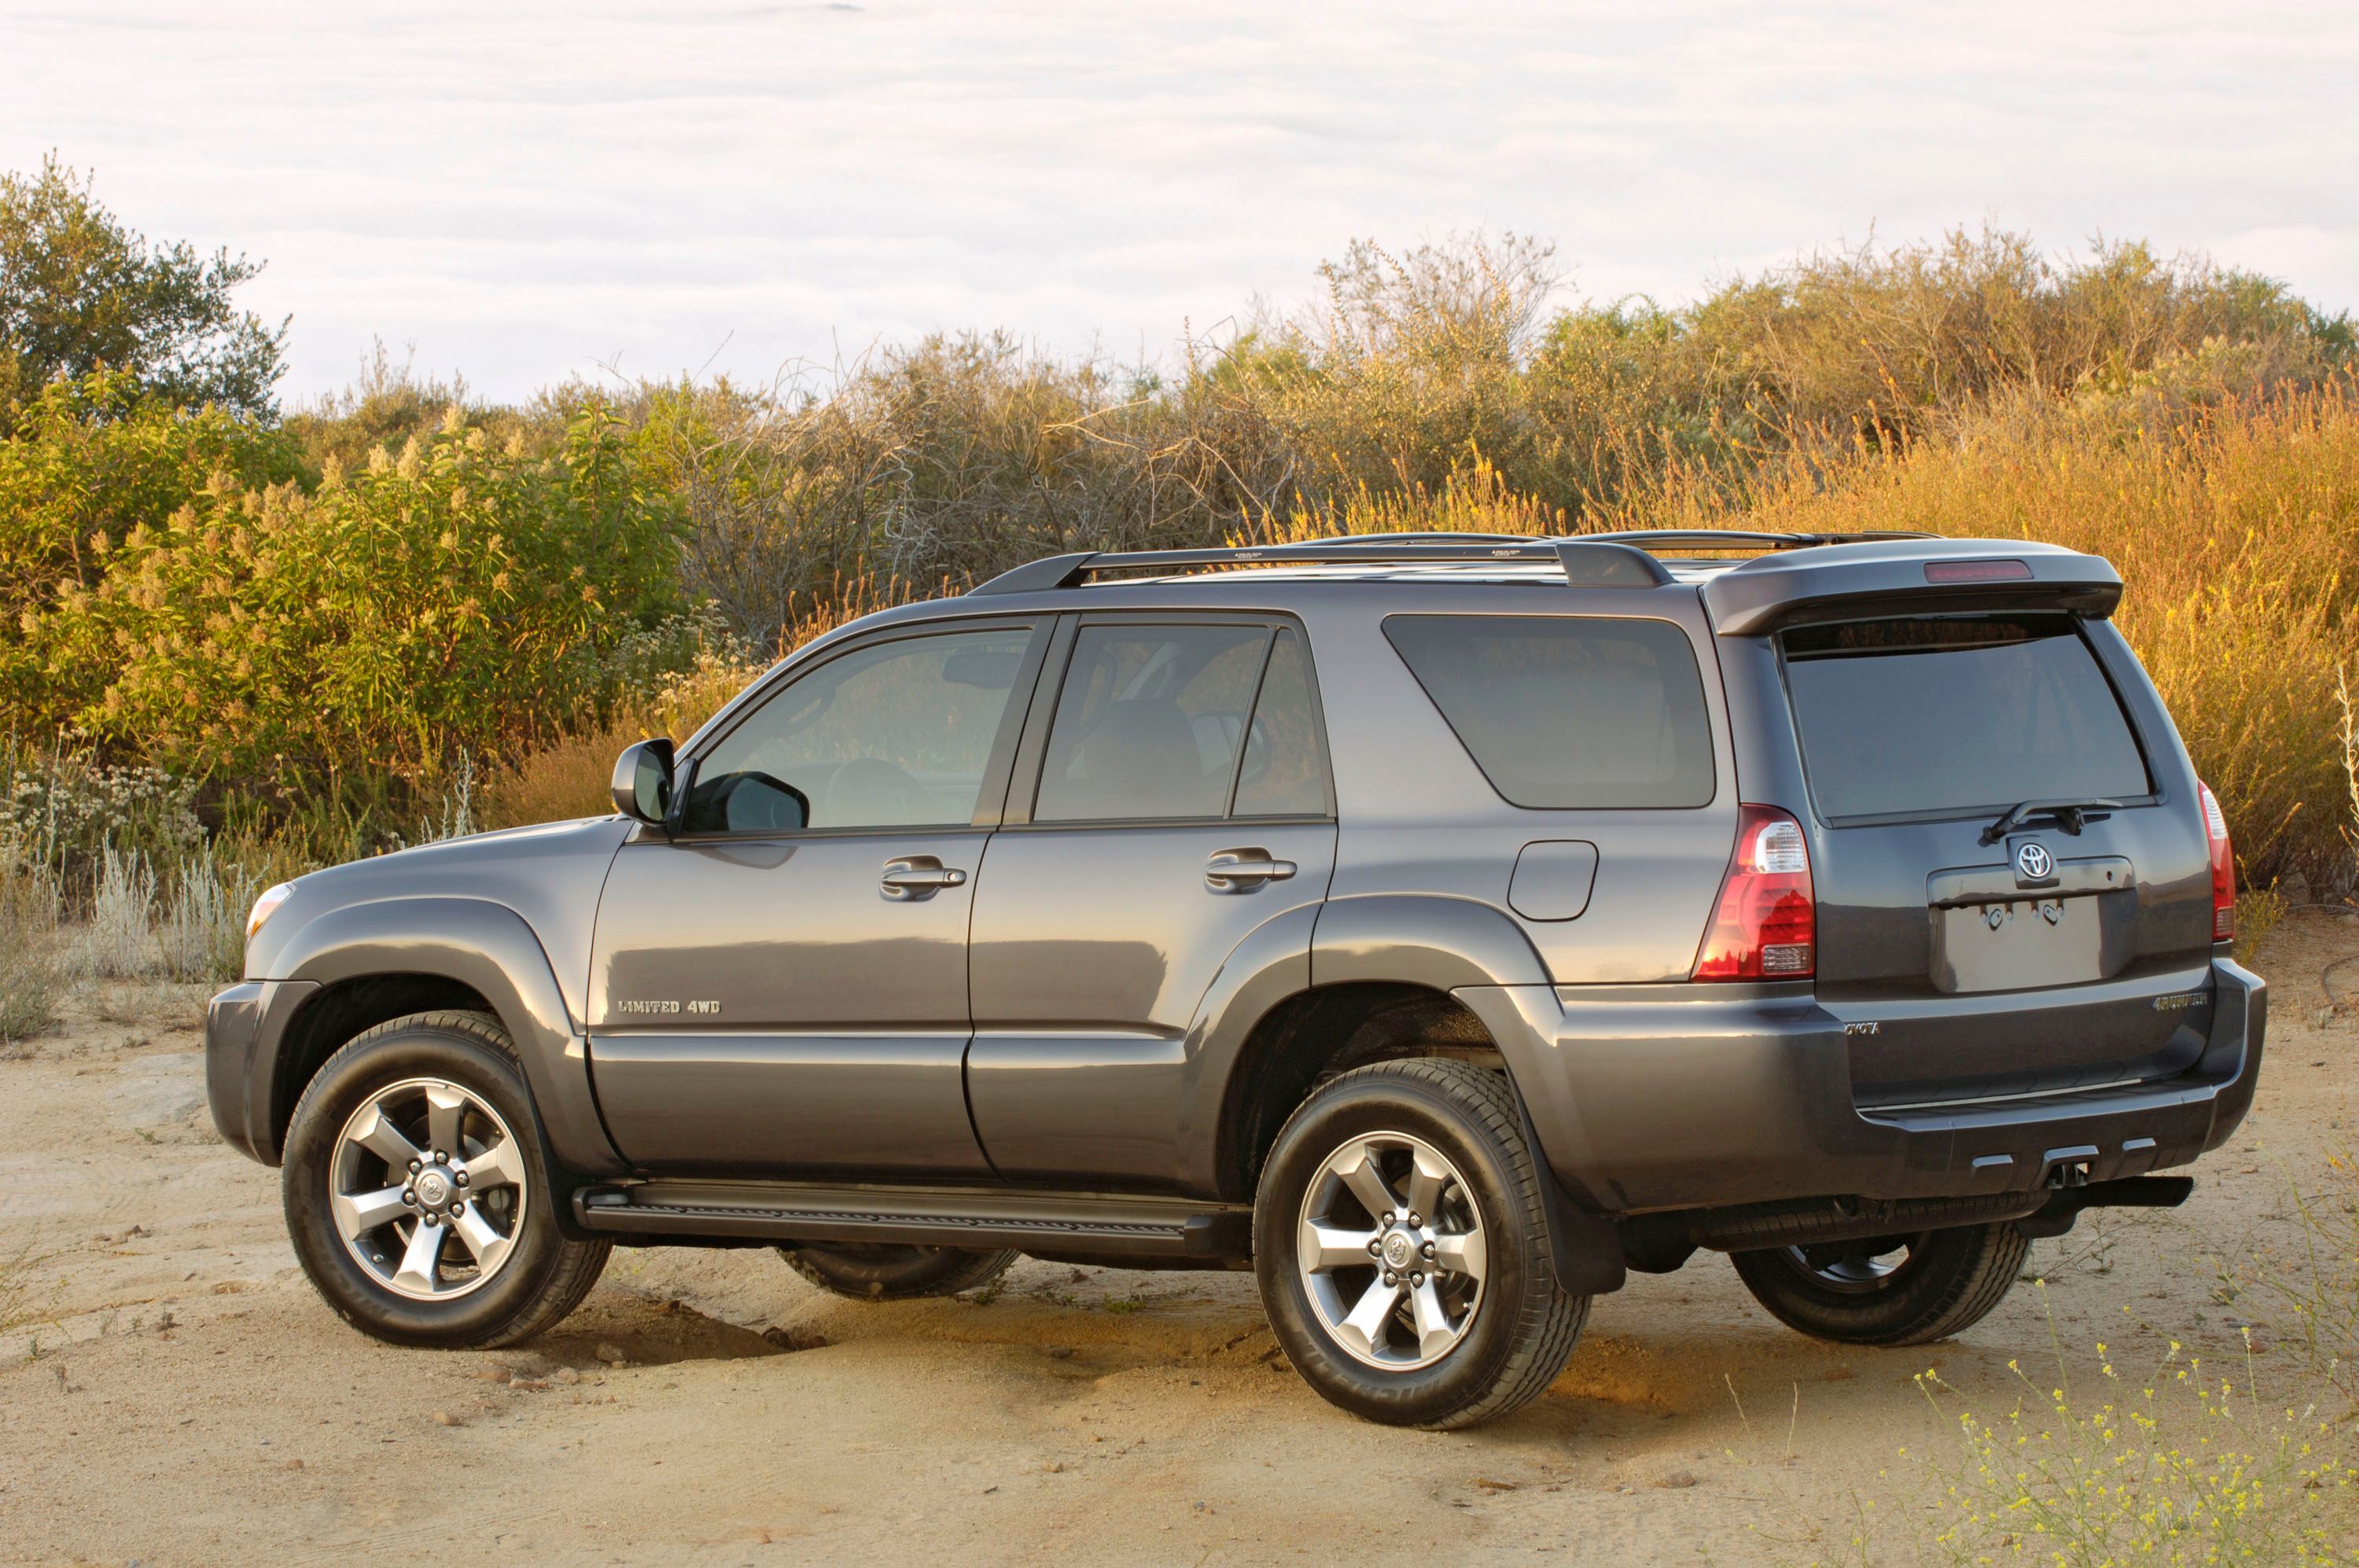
(1590, 560)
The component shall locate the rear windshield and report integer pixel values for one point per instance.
(1568, 711)
(1933, 715)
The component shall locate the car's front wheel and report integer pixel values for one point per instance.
(1891, 1290)
(416, 1194)
(1403, 1251)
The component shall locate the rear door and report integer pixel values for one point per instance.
(1182, 802)
(1993, 959)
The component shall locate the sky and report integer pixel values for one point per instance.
(519, 192)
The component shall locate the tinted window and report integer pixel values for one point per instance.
(1932, 714)
(1568, 711)
(899, 734)
(1149, 721)
(1285, 772)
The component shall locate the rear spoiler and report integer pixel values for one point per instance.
(1905, 577)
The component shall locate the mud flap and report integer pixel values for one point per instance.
(1588, 1248)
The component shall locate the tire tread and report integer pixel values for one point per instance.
(1549, 1319)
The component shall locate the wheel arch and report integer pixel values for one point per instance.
(375, 961)
(1386, 976)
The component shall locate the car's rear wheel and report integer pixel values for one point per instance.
(882, 1271)
(417, 1195)
(1403, 1252)
(1891, 1290)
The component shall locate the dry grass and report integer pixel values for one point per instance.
(2234, 522)
(32, 978)
(2237, 533)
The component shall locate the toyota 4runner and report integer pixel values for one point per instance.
(1438, 925)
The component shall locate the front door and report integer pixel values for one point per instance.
(781, 988)
(1182, 804)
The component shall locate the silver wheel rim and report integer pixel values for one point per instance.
(1390, 1251)
(1855, 1268)
(426, 1188)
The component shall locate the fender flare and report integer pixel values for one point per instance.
(491, 949)
(1422, 939)
(1269, 968)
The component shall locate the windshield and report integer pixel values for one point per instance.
(1932, 715)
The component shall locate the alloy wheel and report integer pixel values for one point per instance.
(1391, 1251)
(427, 1186)
(1856, 1268)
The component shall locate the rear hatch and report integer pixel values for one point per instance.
(2011, 873)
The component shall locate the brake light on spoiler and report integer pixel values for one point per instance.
(1977, 571)
(2224, 866)
(1765, 926)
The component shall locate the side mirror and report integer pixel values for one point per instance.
(642, 783)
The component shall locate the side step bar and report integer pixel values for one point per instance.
(926, 1217)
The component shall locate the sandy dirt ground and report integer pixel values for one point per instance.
(174, 1392)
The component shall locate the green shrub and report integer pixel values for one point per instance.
(456, 597)
(89, 462)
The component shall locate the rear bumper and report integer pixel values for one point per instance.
(1664, 1097)
(243, 1027)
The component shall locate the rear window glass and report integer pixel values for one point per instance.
(1148, 723)
(1926, 715)
(1568, 711)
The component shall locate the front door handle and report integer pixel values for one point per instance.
(918, 876)
(1243, 870)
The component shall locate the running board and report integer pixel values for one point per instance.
(927, 1216)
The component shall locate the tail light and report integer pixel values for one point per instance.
(1766, 924)
(2224, 866)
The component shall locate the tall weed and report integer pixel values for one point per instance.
(2176, 1467)
(200, 934)
(118, 941)
(32, 977)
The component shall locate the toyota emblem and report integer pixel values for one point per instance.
(2033, 863)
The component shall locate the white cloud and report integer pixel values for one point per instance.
(526, 189)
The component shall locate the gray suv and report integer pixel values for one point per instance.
(1438, 925)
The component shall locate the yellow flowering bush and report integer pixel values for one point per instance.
(455, 596)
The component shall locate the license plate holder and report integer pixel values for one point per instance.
(2014, 944)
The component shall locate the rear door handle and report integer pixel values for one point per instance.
(918, 876)
(1243, 870)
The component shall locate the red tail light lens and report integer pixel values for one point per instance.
(2224, 866)
(1767, 925)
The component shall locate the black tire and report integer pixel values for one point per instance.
(1949, 1281)
(544, 1277)
(881, 1271)
(1524, 1324)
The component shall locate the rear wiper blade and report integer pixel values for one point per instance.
(2071, 815)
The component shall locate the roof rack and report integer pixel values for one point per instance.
(1590, 560)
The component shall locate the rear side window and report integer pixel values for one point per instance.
(1568, 711)
(1184, 722)
(1285, 771)
(1924, 715)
